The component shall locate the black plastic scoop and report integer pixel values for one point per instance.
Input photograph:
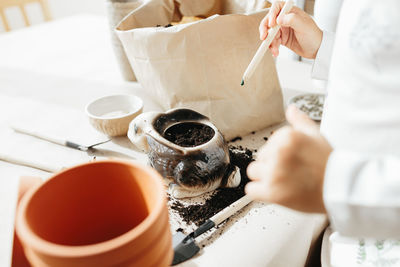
(185, 246)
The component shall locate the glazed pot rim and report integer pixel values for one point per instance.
(29, 238)
(188, 148)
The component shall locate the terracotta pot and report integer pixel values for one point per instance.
(103, 213)
(18, 256)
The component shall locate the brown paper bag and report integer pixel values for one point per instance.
(117, 10)
(200, 65)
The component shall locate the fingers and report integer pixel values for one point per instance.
(268, 152)
(285, 32)
(294, 19)
(274, 47)
(274, 12)
(263, 28)
(300, 121)
(256, 170)
(269, 20)
(257, 190)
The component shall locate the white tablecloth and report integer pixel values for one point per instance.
(63, 65)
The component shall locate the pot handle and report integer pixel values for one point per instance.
(139, 130)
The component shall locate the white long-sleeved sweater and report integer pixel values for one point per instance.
(362, 122)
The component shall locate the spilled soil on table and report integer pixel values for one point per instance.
(223, 197)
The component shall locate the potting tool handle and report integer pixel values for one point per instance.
(203, 228)
(49, 138)
(28, 163)
(38, 135)
(221, 216)
(266, 43)
(230, 210)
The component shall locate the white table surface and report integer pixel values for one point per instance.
(53, 70)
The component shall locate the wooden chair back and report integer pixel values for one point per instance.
(4, 4)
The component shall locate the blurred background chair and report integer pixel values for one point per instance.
(21, 4)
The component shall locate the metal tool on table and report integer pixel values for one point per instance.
(46, 167)
(265, 44)
(90, 150)
(185, 246)
(56, 140)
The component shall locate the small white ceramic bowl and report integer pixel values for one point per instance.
(112, 114)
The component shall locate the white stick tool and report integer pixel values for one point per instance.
(265, 44)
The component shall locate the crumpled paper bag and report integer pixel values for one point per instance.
(200, 65)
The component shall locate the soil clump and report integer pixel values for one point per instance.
(189, 134)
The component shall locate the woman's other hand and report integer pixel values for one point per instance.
(290, 167)
(298, 31)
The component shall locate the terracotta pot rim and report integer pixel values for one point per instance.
(41, 245)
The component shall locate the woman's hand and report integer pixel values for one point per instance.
(298, 31)
(290, 168)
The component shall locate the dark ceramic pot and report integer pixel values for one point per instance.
(193, 170)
